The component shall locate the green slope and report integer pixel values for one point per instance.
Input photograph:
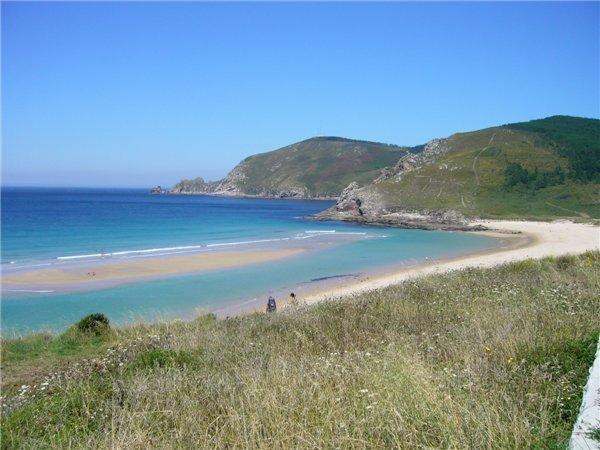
(472, 176)
(321, 166)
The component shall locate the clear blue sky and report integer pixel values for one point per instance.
(135, 94)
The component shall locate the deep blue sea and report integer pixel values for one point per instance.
(42, 226)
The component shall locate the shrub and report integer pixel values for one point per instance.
(515, 174)
(94, 323)
(527, 265)
(565, 261)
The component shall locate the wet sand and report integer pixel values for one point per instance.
(125, 271)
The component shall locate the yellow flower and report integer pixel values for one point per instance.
(509, 360)
(488, 350)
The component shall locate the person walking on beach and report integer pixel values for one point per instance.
(293, 299)
(271, 304)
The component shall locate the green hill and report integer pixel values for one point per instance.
(317, 167)
(541, 169)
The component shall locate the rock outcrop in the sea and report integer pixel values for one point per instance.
(157, 190)
(355, 201)
(368, 204)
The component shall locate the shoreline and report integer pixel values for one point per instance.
(537, 240)
(523, 240)
(349, 284)
(517, 240)
(243, 196)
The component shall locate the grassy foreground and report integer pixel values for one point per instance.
(472, 359)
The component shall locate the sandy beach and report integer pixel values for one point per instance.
(121, 271)
(517, 240)
(524, 240)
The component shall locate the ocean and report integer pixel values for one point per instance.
(42, 227)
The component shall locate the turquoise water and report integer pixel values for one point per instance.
(40, 225)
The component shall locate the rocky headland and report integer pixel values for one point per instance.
(542, 169)
(368, 204)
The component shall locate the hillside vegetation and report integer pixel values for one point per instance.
(317, 167)
(486, 358)
(540, 169)
(574, 138)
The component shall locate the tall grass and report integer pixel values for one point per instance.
(492, 358)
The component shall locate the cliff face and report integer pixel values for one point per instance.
(315, 168)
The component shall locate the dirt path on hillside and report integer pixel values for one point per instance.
(477, 156)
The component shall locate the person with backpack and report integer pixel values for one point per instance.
(271, 304)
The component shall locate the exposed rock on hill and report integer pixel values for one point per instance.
(195, 186)
(367, 205)
(432, 150)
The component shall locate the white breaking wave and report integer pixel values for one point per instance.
(360, 233)
(29, 290)
(31, 265)
(184, 248)
(320, 231)
(258, 241)
(131, 252)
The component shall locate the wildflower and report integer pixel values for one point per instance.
(509, 360)
(363, 391)
(488, 350)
